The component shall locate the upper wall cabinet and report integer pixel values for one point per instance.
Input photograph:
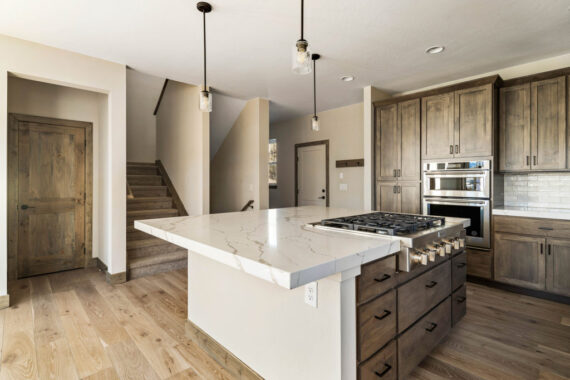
(532, 126)
(398, 141)
(458, 124)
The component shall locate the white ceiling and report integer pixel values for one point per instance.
(381, 42)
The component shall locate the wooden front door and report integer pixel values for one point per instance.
(51, 195)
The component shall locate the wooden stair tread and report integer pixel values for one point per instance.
(158, 211)
(146, 164)
(139, 262)
(134, 176)
(148, 199)
(150, 242)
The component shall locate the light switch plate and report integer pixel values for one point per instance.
(343, 187)
(311, 292)
(341, 175)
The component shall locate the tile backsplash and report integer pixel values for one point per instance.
(537, 190)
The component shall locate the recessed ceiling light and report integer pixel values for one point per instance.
(347, 78)
(435, 49)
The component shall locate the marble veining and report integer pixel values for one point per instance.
(275, 245)
(533, 212)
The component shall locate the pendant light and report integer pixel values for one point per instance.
(315, 119)
(301, 50)
(205, 95)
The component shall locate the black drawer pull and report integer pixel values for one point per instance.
(431, 284)
(546, 228)
(383, 278)
(461, 299)
(432, 327)
(384, 315)
(387, 367)
(461, 265)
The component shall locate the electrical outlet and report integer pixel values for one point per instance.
(311, 292)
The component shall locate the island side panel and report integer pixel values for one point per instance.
(270, 329)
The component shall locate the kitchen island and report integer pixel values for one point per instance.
(246, 273)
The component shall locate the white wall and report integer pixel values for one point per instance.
(239, 171)
(43, 99)
(143, 91)
(46, 64)
(343, 127)
(224, 114)
(183, 145)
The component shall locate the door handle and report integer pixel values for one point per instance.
(527, 160)
(394, 172)
(323, 197)
(549, 249)
(534, 160)
(398, 171)
(432, 327)
(387, 367)
(456, 148)
(451, 149)
(384, 315)
(541, 248)
(25, 207)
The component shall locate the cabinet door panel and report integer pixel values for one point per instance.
(409, 113)
(514, 128)
(387, 199)
(387, 142)
(519, 260)
(410, 197)
(474, 122)
(437, 126)
(558, 266)
(548, 124)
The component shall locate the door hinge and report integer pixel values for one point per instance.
(84, 250)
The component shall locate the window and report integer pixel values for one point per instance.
(273, 163)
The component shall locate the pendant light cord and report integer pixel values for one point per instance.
(315, 87)
(302, 18)
(204, 23)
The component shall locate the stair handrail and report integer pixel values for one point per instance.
(248, 205)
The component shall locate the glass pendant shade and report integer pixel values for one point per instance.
(205, 101)
(302, 58)
(315, 123)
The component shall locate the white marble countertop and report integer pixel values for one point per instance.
(533, 212)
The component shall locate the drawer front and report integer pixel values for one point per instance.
(458, 270)
(422, 293)
(419, 269)
(421, 339)
(383, 365)
(376, 323)
(532, 226)
(376, 278)
(480, 263)
(458, 305)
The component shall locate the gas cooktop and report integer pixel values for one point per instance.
(385, 223)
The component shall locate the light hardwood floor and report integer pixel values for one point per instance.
(74, 325)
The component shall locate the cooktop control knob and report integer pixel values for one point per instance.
(431, 255)
(440, 249)
(456, 243)
(462, 242)
(418, 257)
(448, 246)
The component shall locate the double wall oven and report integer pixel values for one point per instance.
(461, 189)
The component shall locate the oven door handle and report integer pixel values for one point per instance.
(454, 202)
(456, 175)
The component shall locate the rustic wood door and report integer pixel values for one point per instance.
(558, 266)
(548, 124)
(410, 201)
(520, 260)
(514, 128)
(437, 126)
(50, 197)
(474, 122)
(410, 165)
(387, 142)
(387, 198)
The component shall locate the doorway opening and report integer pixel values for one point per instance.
(312, 174)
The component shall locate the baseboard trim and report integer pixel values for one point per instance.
(516, 289)
(4, 301)
(112, 278)
(220, 354)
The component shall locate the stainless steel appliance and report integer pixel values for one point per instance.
(423, 238)
(462, 190)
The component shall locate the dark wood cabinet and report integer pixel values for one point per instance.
(438, 126)
(410, 164)
(398, 197)
(532, 126)
(558, 266)
(473, 134)
(387, 197)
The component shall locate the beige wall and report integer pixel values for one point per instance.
(182, 143)
(143, 91)
(43, 99)
(239, 171)
(42, 63)
(343, 127)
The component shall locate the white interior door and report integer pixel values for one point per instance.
(311, 175)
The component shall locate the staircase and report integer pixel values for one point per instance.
(149, 197)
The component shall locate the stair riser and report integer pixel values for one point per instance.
(155, 269)
(137, 235)
(160, 192)
(131, 219)
(142, 170)
(150, 205)
(148, 251)
(144, 180)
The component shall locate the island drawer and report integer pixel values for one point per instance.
(532, 226)
(376, 324)
(458, 270)
(422, 293)
(419, 269)
(458, 305)
(383, 365)
(422, 338)
(376, 278)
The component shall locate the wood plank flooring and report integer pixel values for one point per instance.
(73, 325)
